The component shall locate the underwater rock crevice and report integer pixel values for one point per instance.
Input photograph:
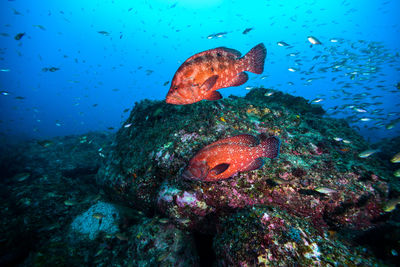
(204, 247)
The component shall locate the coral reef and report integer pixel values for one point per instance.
(312, 160)
(264, 236)
(318, 175)
(318, 203)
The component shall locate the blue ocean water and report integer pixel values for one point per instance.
(80, 66)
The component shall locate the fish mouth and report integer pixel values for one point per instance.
(171, 99)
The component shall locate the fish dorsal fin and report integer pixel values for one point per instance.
(209, 83)
(214, 96)
(220, 168)
(223, 50)
(228, 51)
(244, 139)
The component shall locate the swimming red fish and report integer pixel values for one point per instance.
(201, 75)
(226, 157)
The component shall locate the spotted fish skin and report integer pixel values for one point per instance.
(226, 157)
(202, 74)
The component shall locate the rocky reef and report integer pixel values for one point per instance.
(318, 203)
(318, 174)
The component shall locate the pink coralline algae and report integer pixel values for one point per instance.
(270, 237)
(186, 208)
(187, 137)
(187, 199)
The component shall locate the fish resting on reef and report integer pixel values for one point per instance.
(202, 74)
(226, 157)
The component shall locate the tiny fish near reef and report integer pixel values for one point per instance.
(202, 74)
(226, 157)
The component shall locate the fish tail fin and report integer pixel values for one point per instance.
(254, 59)
(270, 147)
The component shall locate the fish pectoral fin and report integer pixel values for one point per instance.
(214, 96)
(209, 83)
(240, 79)
(254, 165)
(220, 168)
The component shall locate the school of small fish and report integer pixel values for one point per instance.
(355, 70)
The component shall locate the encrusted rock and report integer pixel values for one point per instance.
(101, 217)
(265, 236)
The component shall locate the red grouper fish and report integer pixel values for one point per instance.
(226, 157)
(201, 75)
